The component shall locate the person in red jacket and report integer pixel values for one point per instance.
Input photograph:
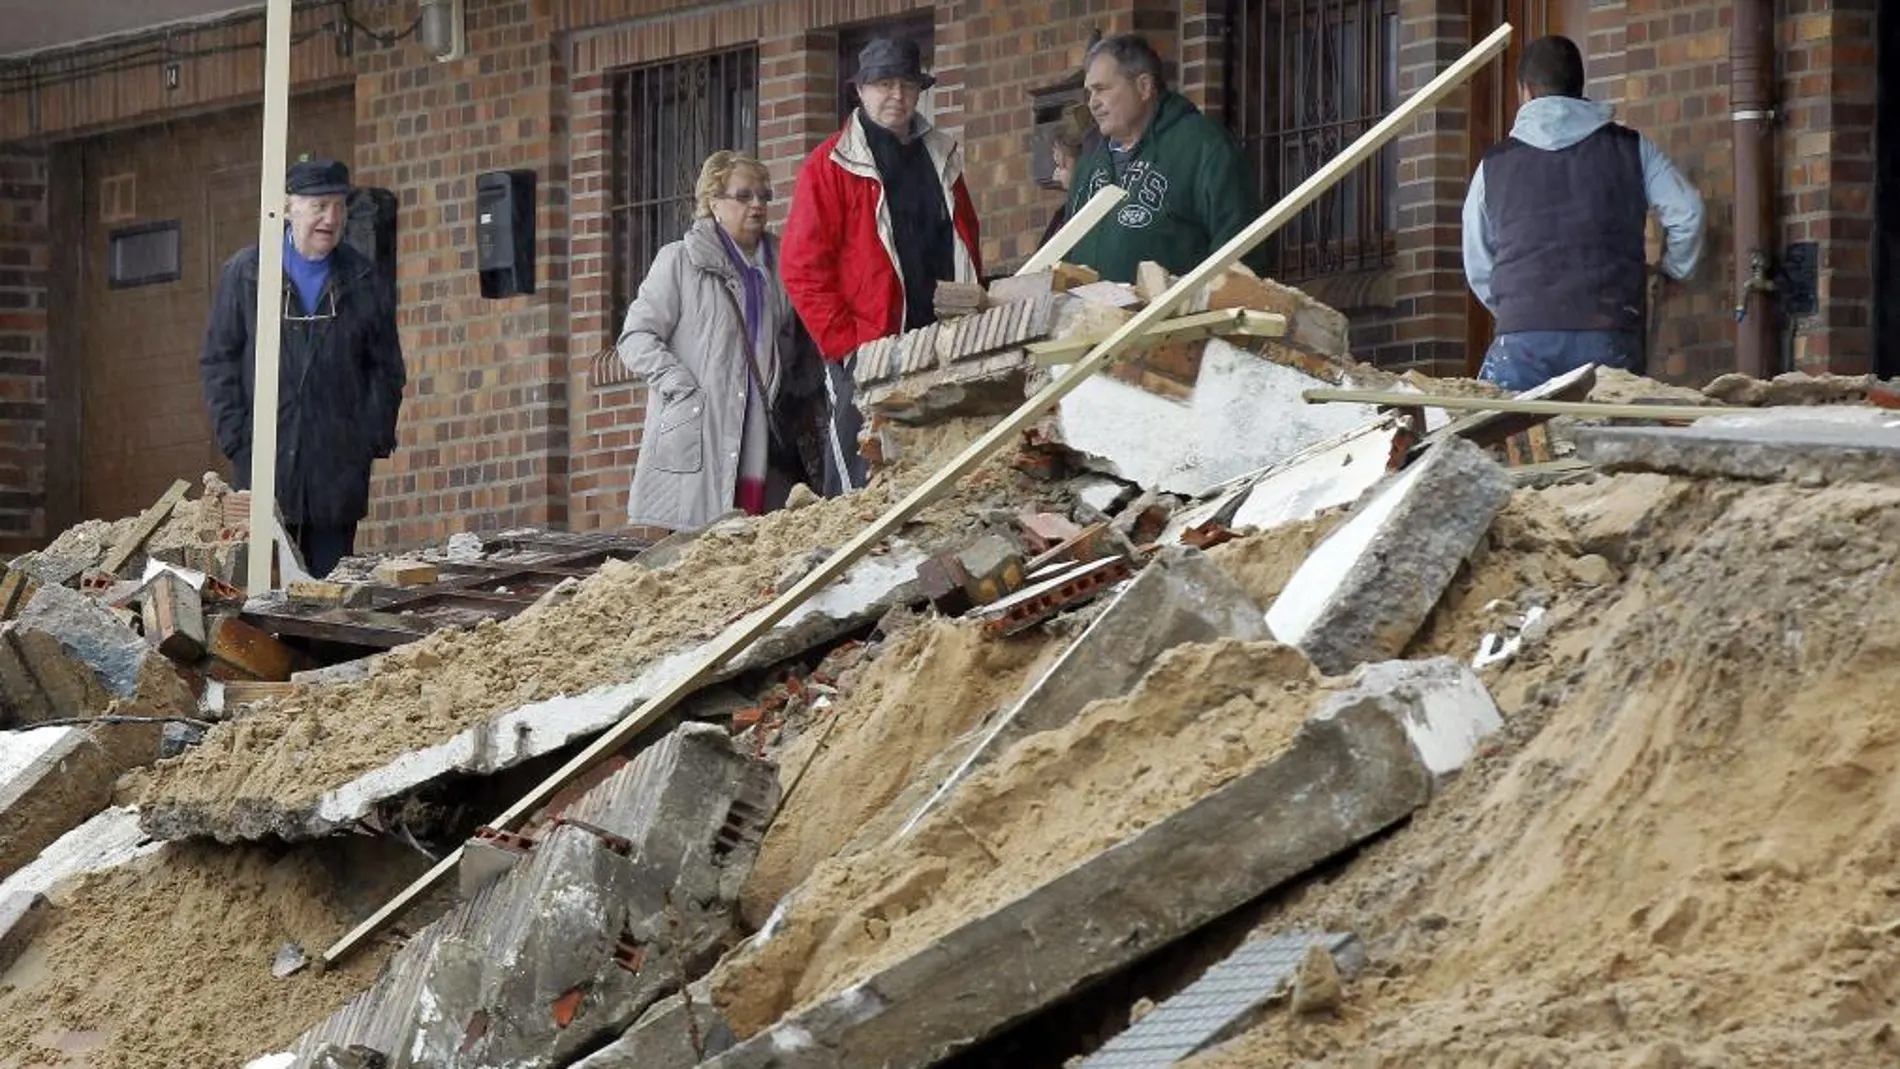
(880, 215)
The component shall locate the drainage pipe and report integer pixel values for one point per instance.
(1751, 95)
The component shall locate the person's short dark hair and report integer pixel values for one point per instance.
(1133, 54)
(1552, 66)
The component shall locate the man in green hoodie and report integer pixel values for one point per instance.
(1189, 190)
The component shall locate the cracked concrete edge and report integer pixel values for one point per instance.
(1344, 778)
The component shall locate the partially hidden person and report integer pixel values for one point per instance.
(880, 215)
(340, 368)
(1073, 134)
(1554, 226)
(733, 393)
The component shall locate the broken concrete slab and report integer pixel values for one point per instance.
(1329, 475)
(1350, 772)
(639, 881)
(861, 596)
(1812, 447)
(1445, 708)
(105, 842)
(1180, 597)
(678, 1032)
(51, 781)
(1366, 590)
(69, 656)
(1245, 413)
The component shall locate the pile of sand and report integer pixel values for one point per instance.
(897, 713)
(166, 963)
(1204, 715)
(621, 619)
(1689, 853)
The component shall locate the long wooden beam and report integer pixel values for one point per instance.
(1224, 322)
(744, 632)
(269, 329)
(1105, 200)
(1586, 409)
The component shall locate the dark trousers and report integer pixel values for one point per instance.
(844, 467)
(322, 546)
(1525, 359)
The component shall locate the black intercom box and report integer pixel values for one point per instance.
(504, 232)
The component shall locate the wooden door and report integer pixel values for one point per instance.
(1494, 103)
(143, 420)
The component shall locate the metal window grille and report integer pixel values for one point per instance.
(852, 39)
(1304, 78)
(668, 117)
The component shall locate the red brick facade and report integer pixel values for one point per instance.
(25, 251)
(508, 420)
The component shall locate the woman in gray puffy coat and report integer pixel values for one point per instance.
(730, 386)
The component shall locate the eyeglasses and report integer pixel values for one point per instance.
(318, 318)
(749, 196)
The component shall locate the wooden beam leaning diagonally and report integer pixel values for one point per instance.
(743, 633)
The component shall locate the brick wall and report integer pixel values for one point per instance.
(484, 430)
(25, 254)
(1827, 162)
(1426, 326)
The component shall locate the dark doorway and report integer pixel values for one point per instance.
(1887, 194)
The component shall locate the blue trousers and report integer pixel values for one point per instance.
(1528, 358)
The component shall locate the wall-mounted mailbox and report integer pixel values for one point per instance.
(504, 232)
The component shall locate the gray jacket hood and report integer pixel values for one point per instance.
(1553, 123)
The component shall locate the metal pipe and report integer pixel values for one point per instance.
(1751, 96)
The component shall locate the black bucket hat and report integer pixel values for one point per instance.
(887, 57)
(318, 178)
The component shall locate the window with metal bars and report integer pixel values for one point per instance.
(1304, 78)
(668, 117)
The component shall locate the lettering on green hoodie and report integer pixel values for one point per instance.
(1189, 192)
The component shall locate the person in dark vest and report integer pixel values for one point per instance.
(1553, 228)
(340, 372)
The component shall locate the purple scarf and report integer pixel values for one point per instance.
(753, 281)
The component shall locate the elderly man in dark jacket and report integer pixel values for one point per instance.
(340, 369)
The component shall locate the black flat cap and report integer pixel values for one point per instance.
(886, 57)
(317, 178)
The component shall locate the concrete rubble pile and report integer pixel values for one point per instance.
(1250, 637)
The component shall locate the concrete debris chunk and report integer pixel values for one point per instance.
(79, 658)
(22, 916)
(679, 1032)
(1811, 447)
(629, 896)
(1311, 327)
(51, 781)
(971, 366)
(1364, 592)
(1243, 413)
(1345, 777)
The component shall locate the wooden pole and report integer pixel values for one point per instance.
(1587, 409)
(744, 632)
(270, 297)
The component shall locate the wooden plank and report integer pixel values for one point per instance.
(239, 650)
(1491, 428)
(148, 523)
(355, 627)
(1071, 233)
(405, 573)
(1586, 409)
(270, 299)
(750, 628)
